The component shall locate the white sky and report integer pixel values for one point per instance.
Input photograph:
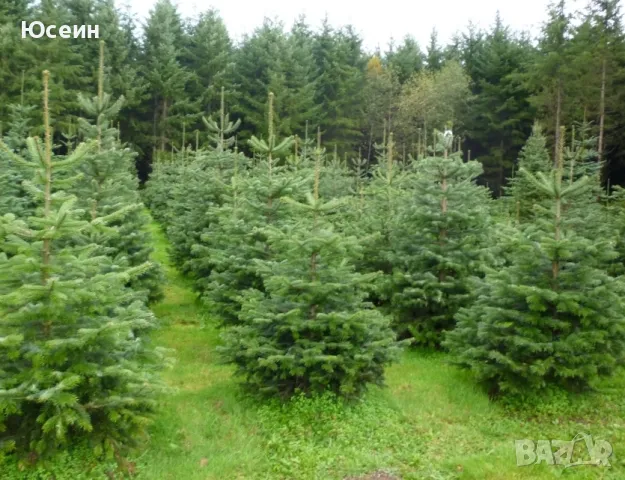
(377, 21)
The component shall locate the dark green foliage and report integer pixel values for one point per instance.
(235, 241)
(311, 330)
(553, 316)
(373, 219)
(209, 52)
(229, 245)
(434, 57)
(500, 118)
(109, 184)
(166, 75)
(406, 60)
(199, 187)
(442, 233)
(339, 58)
(534, 158)
(14, 198)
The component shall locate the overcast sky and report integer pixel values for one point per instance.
(376, 21)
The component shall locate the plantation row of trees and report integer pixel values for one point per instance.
(320, 270)
(488, 85)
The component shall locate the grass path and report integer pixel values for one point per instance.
(431, 422)
(201, 433)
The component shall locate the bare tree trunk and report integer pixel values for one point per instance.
(154, 121)
(602, 111)
(164, 125)
(558, 115)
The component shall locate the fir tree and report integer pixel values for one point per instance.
(553, 316)
(406, 60)
(310, 331)
(533, 158)
(110, 184)
(375, 221)
(435, 57)
(72, 365)
(166, 76)
(14, 198)
(209, 54)
(443, 230)
(221, 133)
(230, 245)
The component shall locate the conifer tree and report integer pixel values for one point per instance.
(209, 54)
(533, 158)
(553, 316)
(441, 238)
(74, 365)
(375, 222)
(196, 188)
(110, 184)
(406, 60)
(310, 331)
(548, 74)
(167, 77)
(221, 133)
(14, 198)
(230, 245)
(435, 57)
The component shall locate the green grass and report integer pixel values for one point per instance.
(430, 422)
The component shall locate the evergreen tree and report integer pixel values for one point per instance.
(406, 60)
(14, 198)
(221, 134)
(257, 60)
(533, 158)
(374, 221)
(74, 362)
(500, 118)
(110, 184)
(441, 239)
(553, 316)
(229, 246)
(608, 37)
(310, 331)
(548, 73)
(167, 77)
(340, 61)
(434, 57)
(210, 55)
(298, 73)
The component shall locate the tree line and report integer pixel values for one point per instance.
(487, 85)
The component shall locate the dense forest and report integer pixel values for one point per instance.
(488, 86)
(291, 258)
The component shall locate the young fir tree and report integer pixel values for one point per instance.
(110, 184)
(236, 238)
(310, 331)
(553, 316)
(221, 134)
(375, 220)
(443, 229)
(14, 198)
(616, 209)
(73, 366)
(534, 158)
(196, 189)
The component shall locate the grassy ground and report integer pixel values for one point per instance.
(431, 422)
